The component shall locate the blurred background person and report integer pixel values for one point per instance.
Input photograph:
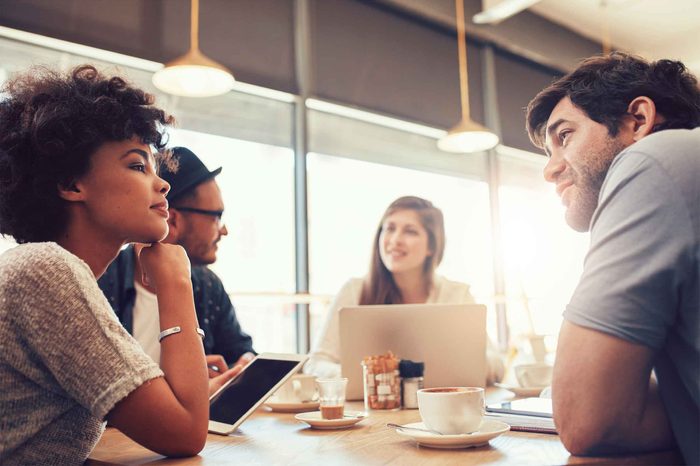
(408, 247)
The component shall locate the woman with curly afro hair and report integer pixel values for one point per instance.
(77, 182)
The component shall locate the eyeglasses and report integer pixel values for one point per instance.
(212, 213)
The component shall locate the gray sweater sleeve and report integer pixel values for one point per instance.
(69, 326)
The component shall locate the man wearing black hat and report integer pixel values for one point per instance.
(195, 210)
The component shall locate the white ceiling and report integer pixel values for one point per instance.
(651, 28)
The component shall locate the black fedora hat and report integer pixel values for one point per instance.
(189, 174)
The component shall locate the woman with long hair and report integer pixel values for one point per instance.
(408, 246)
(77, 182)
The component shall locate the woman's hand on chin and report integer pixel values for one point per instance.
(163, 264)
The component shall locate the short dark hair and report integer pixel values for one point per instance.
(603, 87)
(51, 124)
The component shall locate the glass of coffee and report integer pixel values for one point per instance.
(332, 397)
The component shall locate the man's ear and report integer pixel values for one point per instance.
(175, 224)
(643, 117)
(71, 191)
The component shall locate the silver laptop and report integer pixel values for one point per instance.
(449, 338)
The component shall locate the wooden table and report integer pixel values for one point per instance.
(276, 438)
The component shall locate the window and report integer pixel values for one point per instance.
(543, 257)
(257, 257)
(6, 243)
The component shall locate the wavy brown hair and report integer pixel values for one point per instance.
(603, 87)
(50, 125)
(379, 286)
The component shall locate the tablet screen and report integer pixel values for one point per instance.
(539, 407)
(248, 388)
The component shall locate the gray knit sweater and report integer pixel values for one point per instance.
(65, 360)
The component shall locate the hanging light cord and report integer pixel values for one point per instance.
(606, 27)
(194, 25)
(462, 50)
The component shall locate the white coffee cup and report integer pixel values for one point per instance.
(452, 410)
(539, 349)
(298, 389)
(534, 375)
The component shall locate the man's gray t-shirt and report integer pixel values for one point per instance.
(641, 276)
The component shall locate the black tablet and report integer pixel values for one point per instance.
(538, 407)
(242, 395)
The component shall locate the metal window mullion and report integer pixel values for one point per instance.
(301, 237)
(493, 122)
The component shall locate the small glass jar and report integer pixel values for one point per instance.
(382, 384)
(409, 391)
(411, 381)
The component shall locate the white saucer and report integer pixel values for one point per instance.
(315, 420)
(489, 429)
(282, 406)
(522, 391)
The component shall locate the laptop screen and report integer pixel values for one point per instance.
(449, 338)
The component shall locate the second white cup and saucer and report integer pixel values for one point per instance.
(298, 395)
(519, 391)
(452, 418)
(286, 406)
(532, 379)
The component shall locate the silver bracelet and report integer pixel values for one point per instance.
(167, 332)
(173, 330)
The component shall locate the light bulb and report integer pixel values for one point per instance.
(193, 80)
(468, 141)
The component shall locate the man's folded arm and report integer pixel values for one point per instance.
(604, 400)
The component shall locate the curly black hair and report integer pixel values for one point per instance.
(50, 125)
(603, 87)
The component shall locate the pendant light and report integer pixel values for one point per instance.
(194, 74)
(467, 136)
(497, 12)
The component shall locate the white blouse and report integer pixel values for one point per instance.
(324, 359)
